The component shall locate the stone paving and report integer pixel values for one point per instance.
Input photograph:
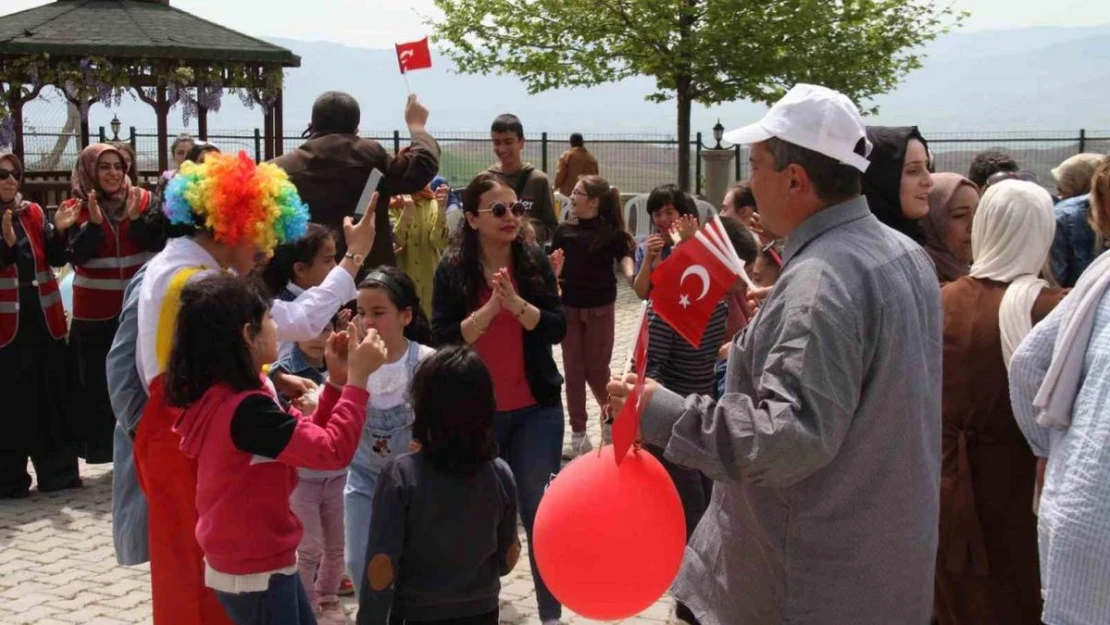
(57, 565)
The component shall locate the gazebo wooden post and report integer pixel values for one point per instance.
(279, 124)
(268, 130)
(16, 101)
(162, 109)
(202, 122)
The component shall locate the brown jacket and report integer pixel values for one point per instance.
(330, 171)
(987, 562)
(574, 163)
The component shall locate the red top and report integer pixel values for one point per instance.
(502, 349)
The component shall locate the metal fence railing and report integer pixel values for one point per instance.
(633, 163)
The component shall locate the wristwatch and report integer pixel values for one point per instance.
(355, 258)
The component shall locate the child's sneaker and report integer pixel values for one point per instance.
(579, 444)
(331, 614)
(346, 588)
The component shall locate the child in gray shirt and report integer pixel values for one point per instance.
(444, 527)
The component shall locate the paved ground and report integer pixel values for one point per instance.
(57, 564)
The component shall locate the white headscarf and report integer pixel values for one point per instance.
(1011, 237)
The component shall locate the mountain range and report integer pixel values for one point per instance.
(1037, 78)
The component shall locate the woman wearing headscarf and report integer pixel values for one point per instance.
(109, 240)
(33, 354)
(898, 181)
(987, 566)
(947, 227)
(1060, 387)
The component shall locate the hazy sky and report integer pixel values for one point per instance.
(379, 23)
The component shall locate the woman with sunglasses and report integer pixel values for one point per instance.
(33, 352)
(498, 294)
(109, 240)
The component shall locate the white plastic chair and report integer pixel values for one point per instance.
(564, 205)
(706, 210)
(637, 217)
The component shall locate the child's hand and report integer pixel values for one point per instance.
(335, 355)
(343, 318)
(654, 250)
(365, 357)
(409, 208)
(683, 228)
(306, 404)
(292, 386)
(443, 196)
(556, 259)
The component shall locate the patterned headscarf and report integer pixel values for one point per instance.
(83, 180)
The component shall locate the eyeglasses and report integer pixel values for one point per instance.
(578, 192)
(498, 209)
(999, 176)
(6, 173)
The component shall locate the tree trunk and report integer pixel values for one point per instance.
(682, 97)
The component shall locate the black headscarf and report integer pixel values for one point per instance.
(882, 182)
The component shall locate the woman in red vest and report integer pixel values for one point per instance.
(33, 353)
(109, 239)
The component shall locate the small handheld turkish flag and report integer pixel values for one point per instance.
(687, 287)
(414, 55)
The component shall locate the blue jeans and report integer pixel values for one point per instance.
(531, 441)
(283, 603)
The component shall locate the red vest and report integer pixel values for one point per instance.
(50, 299)
(98, 284)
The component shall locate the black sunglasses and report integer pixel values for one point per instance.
(498, 209)
(6, 173)
(999, 176)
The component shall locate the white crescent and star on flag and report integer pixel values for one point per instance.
(703, 274)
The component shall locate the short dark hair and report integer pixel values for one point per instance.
(335, 112)
(742, 196)
(832, 180)
(279, 271)
(199, 149)
(508, 122)
(576, 140)
(208, 347)
(453, 403)
(742, 239)
(401, 290)
(669, 194)
(986, 164)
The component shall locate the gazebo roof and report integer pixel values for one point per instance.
(117, 29)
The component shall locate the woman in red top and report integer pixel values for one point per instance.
(495, 292)
(109, 239)
(33, 354)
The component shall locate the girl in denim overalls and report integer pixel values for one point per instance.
(388, 303)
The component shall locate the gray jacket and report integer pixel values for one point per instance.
(826, 443)
(125, 388)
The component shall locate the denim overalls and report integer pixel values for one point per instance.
(387, 433)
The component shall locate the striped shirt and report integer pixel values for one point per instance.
(677, 365)
(1074, 514)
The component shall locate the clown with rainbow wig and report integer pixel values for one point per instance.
(230, 212)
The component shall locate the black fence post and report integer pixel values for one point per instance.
(543, 151)
(697, 164)
(737, 163)
(132, 140)
(103, 137)
(396, 142)
(257, 145)
(1082, 140)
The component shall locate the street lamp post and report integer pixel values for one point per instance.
(115, 128)
(716, 161)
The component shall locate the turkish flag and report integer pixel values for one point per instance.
(627, 422)
(414, 55)
(686, 288)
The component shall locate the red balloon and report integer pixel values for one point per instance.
(608, 540)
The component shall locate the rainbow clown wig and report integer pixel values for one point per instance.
(236, 200)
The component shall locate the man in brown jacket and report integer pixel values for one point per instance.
(573, 164)
(532, 186)
(330, 169)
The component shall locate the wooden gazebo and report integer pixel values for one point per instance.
(96, 50)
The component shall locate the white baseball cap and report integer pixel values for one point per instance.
(813, 117)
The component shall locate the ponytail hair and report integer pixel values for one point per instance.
(609, 210)
(402, 292)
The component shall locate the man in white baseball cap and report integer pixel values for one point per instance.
(825, 447)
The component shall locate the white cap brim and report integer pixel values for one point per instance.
(747, 135)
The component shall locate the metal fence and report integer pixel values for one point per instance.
(633, 163)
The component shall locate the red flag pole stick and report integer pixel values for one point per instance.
(408, 88)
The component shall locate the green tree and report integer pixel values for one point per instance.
(705, 51)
